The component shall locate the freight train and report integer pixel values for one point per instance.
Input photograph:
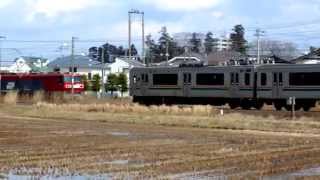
(243, 86)
(46, 82)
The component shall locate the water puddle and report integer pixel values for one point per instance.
(123, 162)
(302, 173)
(117, 162)
(12, 176)
(219, 175)
(119, 133)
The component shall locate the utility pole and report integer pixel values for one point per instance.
(102, 71)
(143, 41)
(167, 49)
(72, 65)
(133, 12)
(1, 39)
(258, 34)
(129, 40)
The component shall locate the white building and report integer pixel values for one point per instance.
(223, 42)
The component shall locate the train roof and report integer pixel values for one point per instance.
(262, 66)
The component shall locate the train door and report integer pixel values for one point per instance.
(234, 84)
(144, 83)
(187, 82)
(277, 84)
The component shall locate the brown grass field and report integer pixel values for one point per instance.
(122, 140)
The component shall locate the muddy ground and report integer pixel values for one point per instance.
(40, 147)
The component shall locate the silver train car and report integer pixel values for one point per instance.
(249, 86)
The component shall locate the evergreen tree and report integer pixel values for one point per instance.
(134, 51)
(238, 40)
(84, 79)
(122, 82)
(112, 83)
(210, 43)
(153, 51)
(109, 52)
(165, 41)
(195, 43)
(96, 82)
(121, 51)
(164, 44)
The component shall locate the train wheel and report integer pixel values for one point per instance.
(246, 107)
(246, 104)
(234, 105)
(306, 108)
(296, 108)
(258, 105)
(277, 106)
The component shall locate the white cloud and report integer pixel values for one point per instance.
(53, 8)
(5, 3)
(183, 5)
(217, 14)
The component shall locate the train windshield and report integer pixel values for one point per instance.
(68, 79)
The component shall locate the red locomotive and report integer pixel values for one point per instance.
(51, 82)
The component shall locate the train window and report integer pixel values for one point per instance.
(247, 79)
(263, 79)
(69, 79)
(145, 78)
(134, 79)
(187, 78)
(232, 78)
(8, 85)
(304, 79)
(210, 79)
(237, 78)
(275, 79)
(75, 69)
(165, 79)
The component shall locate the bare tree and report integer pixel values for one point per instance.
(269, 47)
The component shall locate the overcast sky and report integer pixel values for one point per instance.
(292, 20)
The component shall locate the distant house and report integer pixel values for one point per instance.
(186, 58)
(81, 65)
(223, 57)
(311, 58)
(84, 65)
(27, 64)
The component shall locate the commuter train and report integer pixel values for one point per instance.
(245, 86)
(46, 82)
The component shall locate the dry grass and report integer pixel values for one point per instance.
(120, 107)
(190, 116)
(11, 98)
